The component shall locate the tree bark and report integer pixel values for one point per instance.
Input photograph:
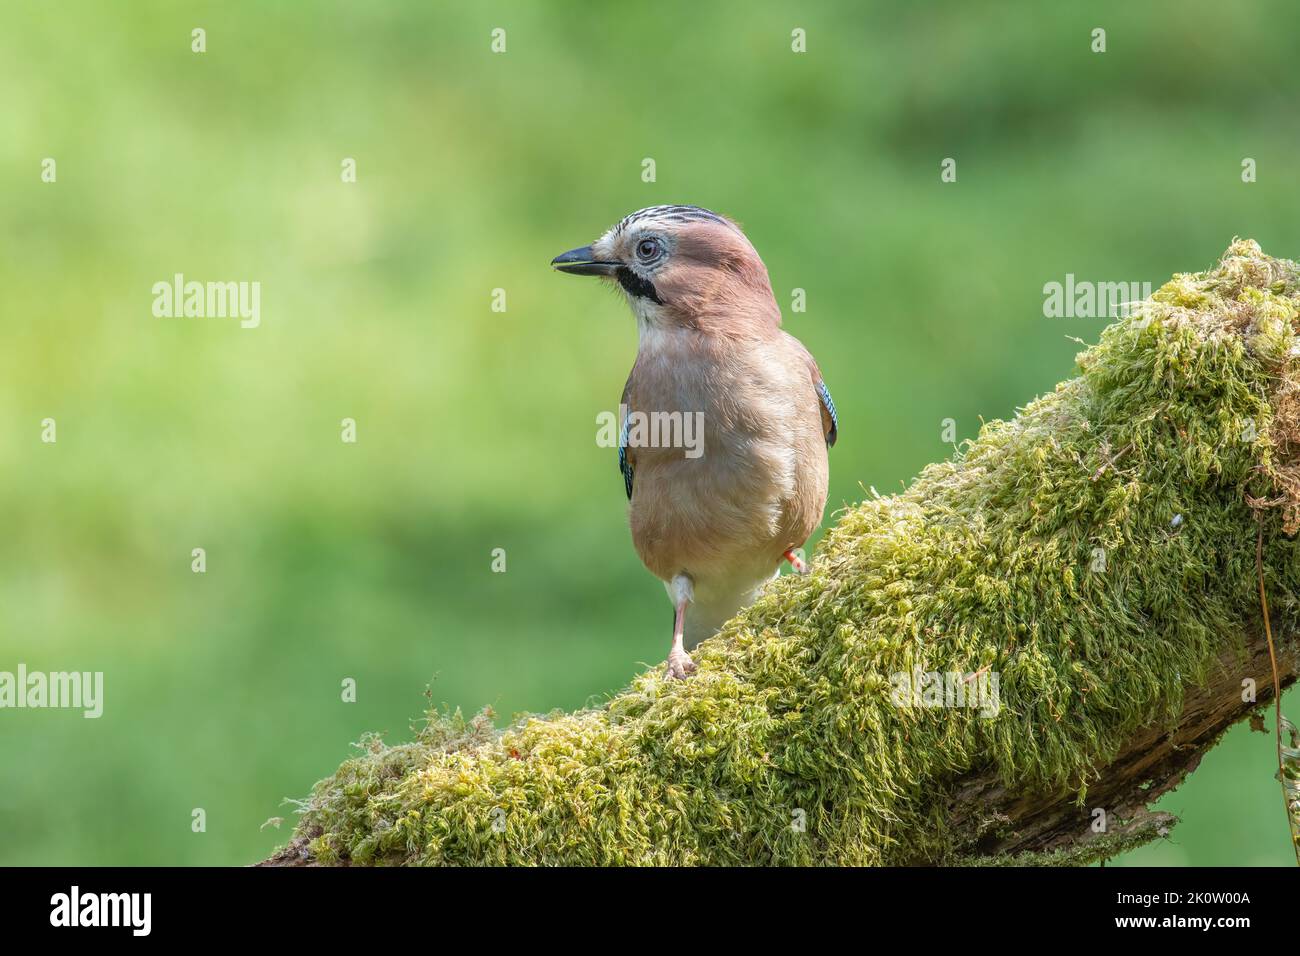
(1152, 763)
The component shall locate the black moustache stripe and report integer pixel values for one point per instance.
(633, 284)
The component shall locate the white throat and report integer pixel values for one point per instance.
(650, 324)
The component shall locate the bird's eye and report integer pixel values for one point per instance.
(647, 249)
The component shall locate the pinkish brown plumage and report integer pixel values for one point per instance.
(713, 526)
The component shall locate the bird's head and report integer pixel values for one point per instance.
(681, 266)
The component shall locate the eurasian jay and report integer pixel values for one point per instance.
(713, 526)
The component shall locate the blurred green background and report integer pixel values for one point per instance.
(476, 428)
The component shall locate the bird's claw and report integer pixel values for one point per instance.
(679, 664)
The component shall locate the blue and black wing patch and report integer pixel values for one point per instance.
(828, 406)
(624, 464)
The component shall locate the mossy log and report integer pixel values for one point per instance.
(1093, 560)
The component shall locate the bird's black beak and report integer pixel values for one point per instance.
(583, 262)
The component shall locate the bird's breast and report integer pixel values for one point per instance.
(730, 469)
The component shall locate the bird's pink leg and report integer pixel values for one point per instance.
(799, 565)
(679, 663)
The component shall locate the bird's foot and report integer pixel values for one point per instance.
(797, 563)
(679, 664)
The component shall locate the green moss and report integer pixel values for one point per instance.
(1181, 414)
